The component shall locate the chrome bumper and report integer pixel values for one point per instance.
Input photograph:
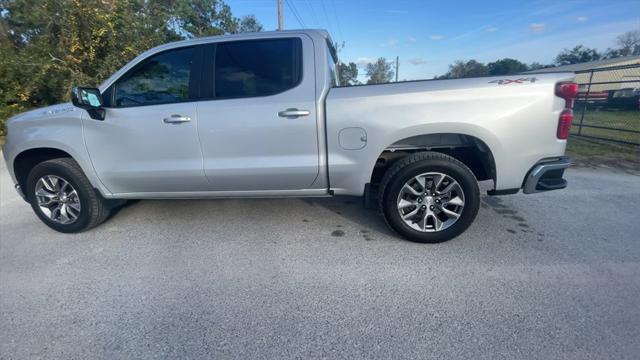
(546, 175)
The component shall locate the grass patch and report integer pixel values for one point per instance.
(627, 120)
(595, 153)
(619, 119)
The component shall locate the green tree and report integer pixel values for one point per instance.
(612, 53)
(379, 71)
(348, 74)
(506, 66)
(578, 54)
(249, 23)
(465, 69)
(199, 18)
(537, 66)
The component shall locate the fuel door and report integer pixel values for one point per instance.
(352, 138)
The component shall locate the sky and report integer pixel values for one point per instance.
(429, 35)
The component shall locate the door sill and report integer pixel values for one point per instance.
(223, 194)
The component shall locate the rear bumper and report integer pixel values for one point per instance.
(546, 175)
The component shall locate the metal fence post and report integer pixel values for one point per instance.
(586, 101)
(619, 120)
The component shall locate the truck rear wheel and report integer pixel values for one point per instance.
(429, 197)
(63, 198)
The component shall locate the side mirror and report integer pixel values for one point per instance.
(89, 99)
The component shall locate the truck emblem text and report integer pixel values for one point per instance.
(513, 81)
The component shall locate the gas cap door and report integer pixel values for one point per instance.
(352, 138)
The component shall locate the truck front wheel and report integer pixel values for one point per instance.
(429, 197)
(63, 198)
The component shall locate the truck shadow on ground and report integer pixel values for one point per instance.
(369, 219)
(345, 211)
(344, 214)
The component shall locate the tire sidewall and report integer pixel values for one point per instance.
(461, 174)
(44, 169)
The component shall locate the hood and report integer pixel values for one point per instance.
(45, 112)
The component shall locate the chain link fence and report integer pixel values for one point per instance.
(608, 105)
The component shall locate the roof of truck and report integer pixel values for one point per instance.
(251, 35)
(209, 39)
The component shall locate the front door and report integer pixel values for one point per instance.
(258, 131)
(148, 141)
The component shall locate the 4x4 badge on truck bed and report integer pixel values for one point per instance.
(513, 81)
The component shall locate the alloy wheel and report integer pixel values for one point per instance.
(430, 202)
(57, 199)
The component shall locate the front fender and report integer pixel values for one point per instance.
(63, 133)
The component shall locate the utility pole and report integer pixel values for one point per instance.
(397, 65)
(279, 15)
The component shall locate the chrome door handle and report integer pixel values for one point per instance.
(176, 119)
(293, 113)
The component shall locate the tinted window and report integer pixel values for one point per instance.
(257, 67)
(163, 78)
(332, 70)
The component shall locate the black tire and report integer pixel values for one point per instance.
(93, 208)
(414, 165)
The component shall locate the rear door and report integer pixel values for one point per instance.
(258, 128)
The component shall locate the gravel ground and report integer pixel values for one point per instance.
(550, 276)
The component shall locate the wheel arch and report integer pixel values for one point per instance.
(27, 159)
(471, 150)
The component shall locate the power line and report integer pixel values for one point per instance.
(313, 13)
(295, 13)
(324, 9)
(335, 13)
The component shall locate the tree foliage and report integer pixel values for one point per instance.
(464, 69)
(537, 66)
(47, 46)
(348, 74)
(578, 54)
(379, 71)
(197, 18)
(249, 23)
(506, 66)
(629, 43)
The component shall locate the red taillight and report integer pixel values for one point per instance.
(568, 91)
(564, 124)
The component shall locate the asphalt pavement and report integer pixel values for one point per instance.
(546, 276)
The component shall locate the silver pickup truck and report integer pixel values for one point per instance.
(263, 115)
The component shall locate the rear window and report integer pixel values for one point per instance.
(257, 67)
